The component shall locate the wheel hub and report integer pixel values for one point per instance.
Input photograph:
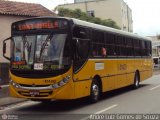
(95, 90)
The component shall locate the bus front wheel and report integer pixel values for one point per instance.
(95, 91)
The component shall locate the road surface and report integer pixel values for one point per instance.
(144, 100)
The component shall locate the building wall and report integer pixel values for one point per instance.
(78, 1)
(155, 46)
(106, 9)
(126, 15)
(5, 31)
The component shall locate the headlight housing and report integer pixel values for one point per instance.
(14, 84)
(54, 86)
(62, 82)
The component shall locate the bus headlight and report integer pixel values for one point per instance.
(14, 84)
(62, 82)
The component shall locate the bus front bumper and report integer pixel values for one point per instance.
(44, 92)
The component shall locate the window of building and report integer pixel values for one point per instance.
(91, 13)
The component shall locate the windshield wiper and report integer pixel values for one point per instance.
(27, 46)
(49, 37)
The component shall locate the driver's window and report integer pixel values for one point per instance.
(82, 45)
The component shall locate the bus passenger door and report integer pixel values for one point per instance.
(80, 67)
(81, 46)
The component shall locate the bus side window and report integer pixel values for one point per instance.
(104, 52)
(148, 48)
(110, 44)
(120, 46)
(137, 51)
(97, 43)
(80, 32)
(129, 47)
(143, 48)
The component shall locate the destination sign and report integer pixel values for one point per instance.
(38, 24)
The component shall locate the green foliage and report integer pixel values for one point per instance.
(78, 14)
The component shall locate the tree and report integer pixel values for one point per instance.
(78, 14)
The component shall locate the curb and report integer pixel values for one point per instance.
(5, 99)
(10, 101)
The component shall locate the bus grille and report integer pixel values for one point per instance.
(32, 85)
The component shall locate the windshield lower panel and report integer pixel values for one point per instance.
(40, 53)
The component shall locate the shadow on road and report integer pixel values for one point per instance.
(118, 92)
(66, 106)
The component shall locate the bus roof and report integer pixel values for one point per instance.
(95, 26)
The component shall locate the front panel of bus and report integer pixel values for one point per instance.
(41, 59)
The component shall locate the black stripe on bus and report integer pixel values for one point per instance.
(109, 76)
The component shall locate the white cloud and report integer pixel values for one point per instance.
(50, 4)
(145, 16)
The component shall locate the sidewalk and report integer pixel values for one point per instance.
(5, 99)
(9, 100)
(156, 71)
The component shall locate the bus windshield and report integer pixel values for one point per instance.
(39, 52)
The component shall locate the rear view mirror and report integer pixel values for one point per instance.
(5, 43)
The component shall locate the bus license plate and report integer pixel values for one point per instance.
(34, 92)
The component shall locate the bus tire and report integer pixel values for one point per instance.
(136, 81)
(95, 91)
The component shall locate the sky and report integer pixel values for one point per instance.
(145, 14)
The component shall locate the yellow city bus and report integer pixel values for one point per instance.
(65, 58)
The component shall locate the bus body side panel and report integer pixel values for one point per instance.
(121, 73)
(116, 74)
(83, 79)
(105, 69)
(108, 82)
(130, 71)
(146, 69)
(82, 88)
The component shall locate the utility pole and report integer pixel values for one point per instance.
(86, 7)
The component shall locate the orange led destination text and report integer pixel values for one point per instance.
(45, 25)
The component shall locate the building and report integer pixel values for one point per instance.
(116, 10)
(11, 12)
(79, 1)
(155, 46)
